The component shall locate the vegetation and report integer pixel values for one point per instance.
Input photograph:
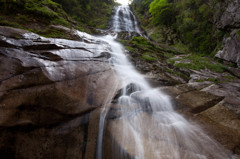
(188, 21)
(238, 33)
(148, 57)
(45, 11)
(39, 15)
(142, 48)
(93, 13)
(198, 62)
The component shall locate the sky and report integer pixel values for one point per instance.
(122, 1)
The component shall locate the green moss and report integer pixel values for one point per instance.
(181, 47)
(200, 80)
(229, 77)
(168, 55)
(103, 26)
(60, 21)
(238, 33)
(10, 23)
(198, 62)
(148, 57)
(142, 41)
(52, 33)
(177, 73)
(130, 49)
(215, 80)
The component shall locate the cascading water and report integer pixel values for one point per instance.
(124, 20)
(148, 126)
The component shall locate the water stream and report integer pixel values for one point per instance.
(149, 128)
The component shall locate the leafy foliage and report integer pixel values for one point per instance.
(44, 11)
(189, 20)
(93, 13)
(38, 15)
(162, 12)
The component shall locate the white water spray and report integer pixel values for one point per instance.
(149, 128)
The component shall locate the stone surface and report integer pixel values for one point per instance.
(230, 92)
(176, 90)
(229, 15)
(48, 89)
(223, 116)
(198, 101)
(222, 124)
(231, 48)
(155, 138)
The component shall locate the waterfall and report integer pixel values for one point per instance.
(124, 20)
(148, 127)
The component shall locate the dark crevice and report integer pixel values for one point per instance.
(30, 127)
(206, 106)
(85, 139)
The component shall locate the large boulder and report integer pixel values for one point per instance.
(48, 89)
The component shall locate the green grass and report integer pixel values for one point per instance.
(199, 62)
(184, 76)
(53, 33)
(168, 55)
(229, 77)
(148, 57)
(181, 47)
(214, 80)
(131, 49)
(9, 23)
(60, 21)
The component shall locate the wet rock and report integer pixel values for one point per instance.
(12, 32)
(48, 88)
(229, 90)
(174, 91)
(223, 116)
(124, 35)
(223, 124)
(43, 46)
(154, 138)
(127, 90)
(106, 55)
(198, 101)
(45, 142)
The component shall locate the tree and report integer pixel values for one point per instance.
(163, 12)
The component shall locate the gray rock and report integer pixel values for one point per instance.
(230, 15)
(231, 48)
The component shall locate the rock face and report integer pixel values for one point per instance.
(230, 15)
(48, 90)
(231, 48)
(214, 107)
(227, 16)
